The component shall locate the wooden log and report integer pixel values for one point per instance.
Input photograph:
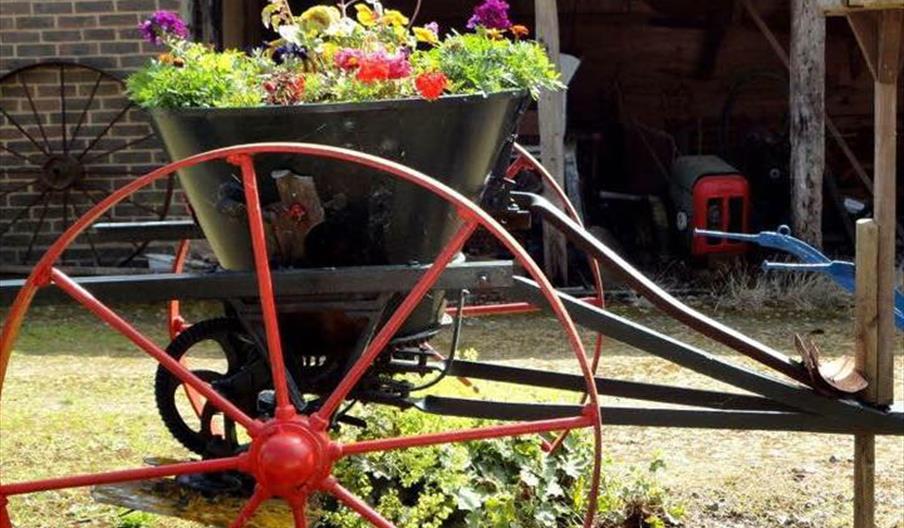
(551, 110)
(807, 111)
(866, 356)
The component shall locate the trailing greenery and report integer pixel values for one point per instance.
(505, 483)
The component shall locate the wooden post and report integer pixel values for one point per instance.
(866, 355)
(886, 108)
(552, 138)
(879, 36)
(808, 35)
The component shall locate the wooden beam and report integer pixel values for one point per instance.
(845, 7)
(865, 25)
(886, 113)
(807, 102)
(551, 110)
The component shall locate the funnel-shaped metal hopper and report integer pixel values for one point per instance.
(368, 218)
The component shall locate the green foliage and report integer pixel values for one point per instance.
(193, 75)
(505, 483)
(351, 52)
(478, 63)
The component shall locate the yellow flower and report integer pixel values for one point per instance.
(495, 34)
(425, 35)
(394, 18)
(329, 51)
(318, 18)
(366, 16)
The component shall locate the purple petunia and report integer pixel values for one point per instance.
(491, 14)
(163, 24)
(433, 27)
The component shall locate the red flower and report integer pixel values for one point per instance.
(373, 67)
(431, 85)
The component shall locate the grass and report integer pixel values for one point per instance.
(79, 398)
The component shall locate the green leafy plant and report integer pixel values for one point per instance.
(354, 51)
(198, 77)
(496, 484)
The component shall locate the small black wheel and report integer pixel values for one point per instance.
(220, 352)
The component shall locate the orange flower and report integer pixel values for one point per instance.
(431, 85)
(520, 31)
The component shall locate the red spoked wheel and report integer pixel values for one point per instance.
(291, 455)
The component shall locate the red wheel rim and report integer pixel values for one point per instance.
(291, 437)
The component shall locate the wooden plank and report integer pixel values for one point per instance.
(844, 7)
(886, 111)
(551, 110)
(865, 335)
(865, 26)
(866, 304)
(807, 109)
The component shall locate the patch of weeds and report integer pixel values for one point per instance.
(491, 484)
(135, 519)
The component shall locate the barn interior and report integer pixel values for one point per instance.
(660, 83)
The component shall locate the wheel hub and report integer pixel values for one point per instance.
(291, 457)
(62, 172)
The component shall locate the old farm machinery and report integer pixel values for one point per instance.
(335, 269)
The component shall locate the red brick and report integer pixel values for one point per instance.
(104, 6)
(35, 22)
(15, 37)
(35, 50)
(84, 21)
(66, 35)
(52, 8)
(16, 8)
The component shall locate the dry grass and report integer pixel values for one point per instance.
(79, 398)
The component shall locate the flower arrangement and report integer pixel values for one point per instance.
(354, 51)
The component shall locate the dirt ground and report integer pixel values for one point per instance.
(79, 398)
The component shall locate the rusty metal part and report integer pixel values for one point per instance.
(840, 375)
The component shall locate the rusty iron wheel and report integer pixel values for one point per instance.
(68, 137)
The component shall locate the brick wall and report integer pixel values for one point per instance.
(47, 181)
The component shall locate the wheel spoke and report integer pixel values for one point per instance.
(18, 188)
(257, 498)
(298, 512)
(126, 475)
(467, 435)
(34, 236)
(396, 321)
(120, 147)
(85, 110)
(63, 107)
(35, 115)
(22, 157)
(104, 131)
(359, 506)
(176, 369)
(24, 133)
(22, 212)
(284, 407)
(88, 237)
